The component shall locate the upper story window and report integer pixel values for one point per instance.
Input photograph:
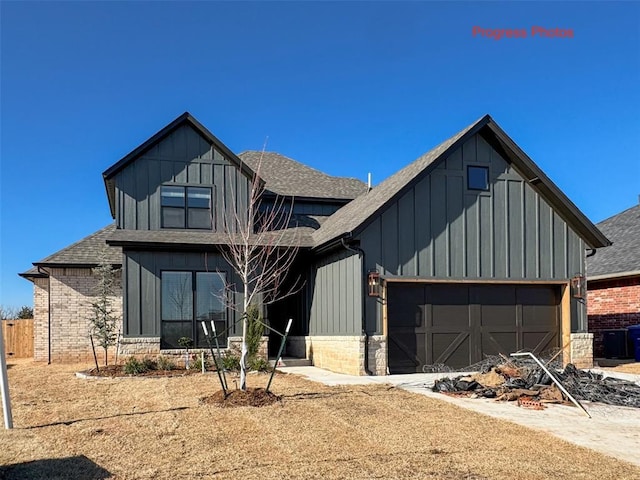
(186, 207)
(477, 178)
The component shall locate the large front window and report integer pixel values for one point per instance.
(187, 299)
(186, 207)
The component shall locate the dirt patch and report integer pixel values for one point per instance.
(253, 397)
(489, 379)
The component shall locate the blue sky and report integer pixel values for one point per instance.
(348, 88)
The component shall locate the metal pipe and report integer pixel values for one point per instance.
(215, 361)
(282, 343)
(553, 378)
(4, 385)
(215, 337)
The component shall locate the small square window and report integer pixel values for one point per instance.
(477, 178)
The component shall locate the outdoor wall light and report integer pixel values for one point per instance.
(579, 286)
(373, 279)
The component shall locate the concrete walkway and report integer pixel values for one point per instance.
(613, 431)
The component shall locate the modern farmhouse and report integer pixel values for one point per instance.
(470, 250)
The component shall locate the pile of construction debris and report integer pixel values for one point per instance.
(533, 385)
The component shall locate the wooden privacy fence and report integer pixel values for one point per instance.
(18, 338)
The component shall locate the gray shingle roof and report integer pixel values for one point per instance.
(285, 176)
(352, 215)
(624, 255)
(86, 251)
(300, 236)
(83, 253)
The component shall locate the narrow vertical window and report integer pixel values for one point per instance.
(198, 207)
(177, 308)
(210, 303)
(173, 202)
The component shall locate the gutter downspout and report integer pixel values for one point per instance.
(363, 277)
(585, 320)
(48, 274)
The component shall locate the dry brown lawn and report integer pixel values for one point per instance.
(157, 428)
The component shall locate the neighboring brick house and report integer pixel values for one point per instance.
(613, 277)
(465, 252)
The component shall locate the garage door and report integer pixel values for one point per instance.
(457, 325)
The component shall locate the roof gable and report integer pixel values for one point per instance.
(360, 212)
(184, 119)
(355, 214)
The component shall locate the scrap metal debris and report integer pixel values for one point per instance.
(522, 380)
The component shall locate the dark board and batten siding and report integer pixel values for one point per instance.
(183, 157)
(336, 305)
(142, 284)
(439, 229)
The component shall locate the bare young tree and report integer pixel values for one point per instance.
(8, 313)
(261, 245)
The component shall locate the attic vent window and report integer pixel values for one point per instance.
(186, 207)
(477, 178)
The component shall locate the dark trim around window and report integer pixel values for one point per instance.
(478, 178)
(186, 207)
(187, 323)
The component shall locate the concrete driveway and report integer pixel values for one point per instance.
(613, 431)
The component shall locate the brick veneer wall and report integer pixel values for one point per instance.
(72, 291)
(69, 296)
(341, 354)
(612, 304)
(40, 319)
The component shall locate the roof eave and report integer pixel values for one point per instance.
(71, 265)
(137, 244)
(29, 276)
(613, 276)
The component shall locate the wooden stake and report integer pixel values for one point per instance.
(4, 385)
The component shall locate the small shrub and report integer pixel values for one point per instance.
(197, 363)
(166, 363)
(149, 364)
(259, 364)
(231, 361)
(255, 330)
(25, 312)
(133, 366)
